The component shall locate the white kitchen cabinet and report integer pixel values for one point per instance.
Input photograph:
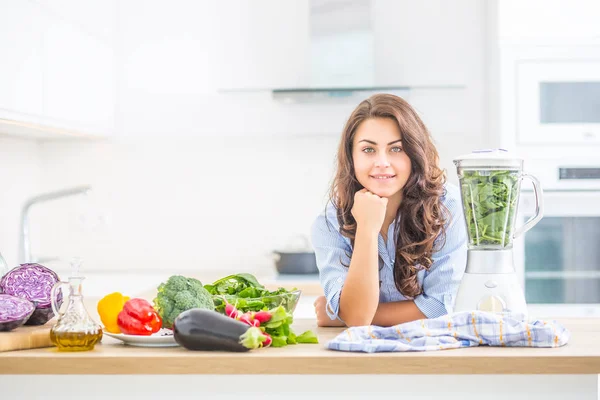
(93, 17)
(549, 20)
(20, 60)
(79, 77)
(57, 79)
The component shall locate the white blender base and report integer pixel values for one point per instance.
(498, 293)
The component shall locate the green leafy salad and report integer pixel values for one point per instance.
(247, 294)
(490, 203)
(242, 297)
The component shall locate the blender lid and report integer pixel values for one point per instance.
(489, 158)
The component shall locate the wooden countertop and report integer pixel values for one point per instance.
(580, 356)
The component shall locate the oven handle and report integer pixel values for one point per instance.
(539, 207)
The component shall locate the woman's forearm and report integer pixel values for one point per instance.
(360, 294)
(397, 312)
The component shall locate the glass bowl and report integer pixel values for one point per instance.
(289, 301)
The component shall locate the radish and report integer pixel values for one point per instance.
(262, 316)
(268, 340)
(231, 311)
(247, 318)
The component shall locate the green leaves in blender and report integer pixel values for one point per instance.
(490, 203)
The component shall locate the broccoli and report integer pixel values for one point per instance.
(180, 294)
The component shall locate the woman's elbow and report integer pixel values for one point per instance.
(358, 320)
(358, 315)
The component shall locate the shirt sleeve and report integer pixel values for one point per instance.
(441, 282)
(332, 252)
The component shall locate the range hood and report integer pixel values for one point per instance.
(342, 59)
(342, 53)
(342, 56)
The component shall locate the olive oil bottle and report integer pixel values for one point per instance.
(75, 329)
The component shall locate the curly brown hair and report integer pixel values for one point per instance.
(421, 216)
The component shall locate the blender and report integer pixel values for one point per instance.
(490, 183)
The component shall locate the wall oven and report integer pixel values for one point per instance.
(558, 260)
(558, 101)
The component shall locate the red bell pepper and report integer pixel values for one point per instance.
(138, 317)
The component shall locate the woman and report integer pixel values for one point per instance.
(391, 244)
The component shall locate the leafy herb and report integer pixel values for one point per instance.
(247, 294)
(307, 337)
(490, 203)
(233, 284)
(275, 324)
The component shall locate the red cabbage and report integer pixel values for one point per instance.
(32, 282)
(14, 312)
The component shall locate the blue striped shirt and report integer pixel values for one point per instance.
(439, 284)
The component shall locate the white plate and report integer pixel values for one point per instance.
(159, 339)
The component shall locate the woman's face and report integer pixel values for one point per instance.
(380, 164)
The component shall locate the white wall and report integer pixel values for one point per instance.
(188, 203)
(196, 179)
(19, 176)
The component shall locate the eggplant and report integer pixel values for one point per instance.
(200, 329)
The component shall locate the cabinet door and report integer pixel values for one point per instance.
(20, 58)
(426, 43)
(95, 17)
(79, 83)
(554, 20)
(264, 44)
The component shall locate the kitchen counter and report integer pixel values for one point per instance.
(580, 356)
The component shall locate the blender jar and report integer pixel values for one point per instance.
(490, 183)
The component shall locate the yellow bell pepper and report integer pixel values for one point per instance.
(109, 308)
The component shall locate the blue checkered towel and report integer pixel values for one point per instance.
(463, 329)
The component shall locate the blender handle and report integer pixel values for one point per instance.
(539, 207)
(54, 297)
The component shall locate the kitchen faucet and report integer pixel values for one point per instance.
(24, 242)
(3, 266)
